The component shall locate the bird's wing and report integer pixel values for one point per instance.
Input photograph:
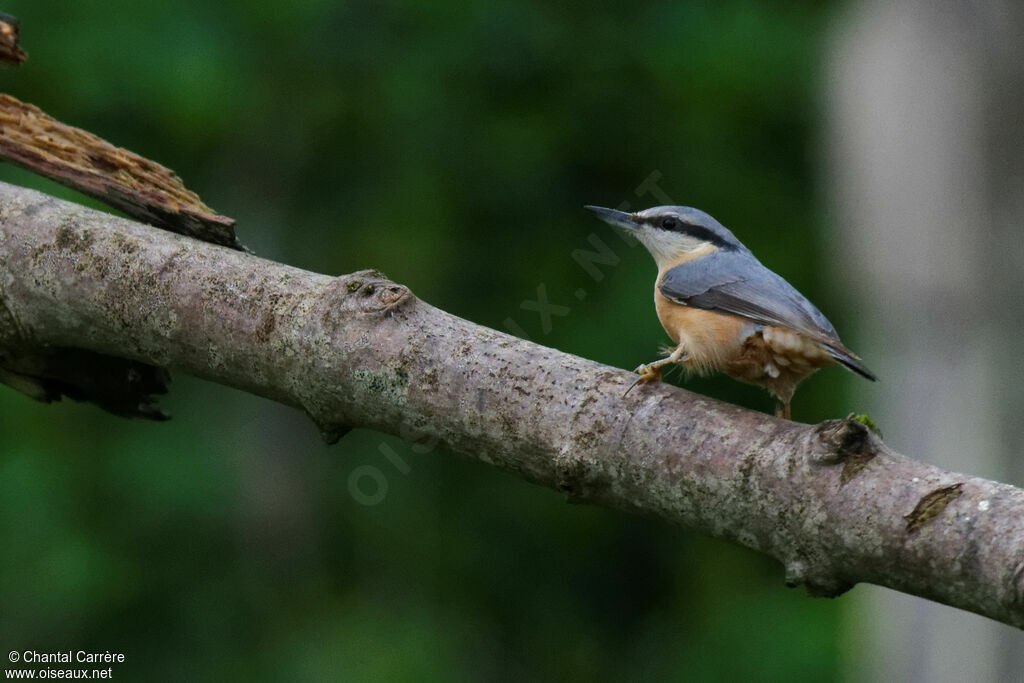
(736, 283)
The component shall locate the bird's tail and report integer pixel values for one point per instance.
(849, 359)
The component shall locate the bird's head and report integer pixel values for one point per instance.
(669, 232)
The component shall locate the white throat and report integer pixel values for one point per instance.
(670, 247)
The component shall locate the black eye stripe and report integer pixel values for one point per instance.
(673, 223)
(676, 224)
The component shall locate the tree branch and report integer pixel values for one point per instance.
(831, 502)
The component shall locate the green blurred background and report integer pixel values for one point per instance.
(451, 145)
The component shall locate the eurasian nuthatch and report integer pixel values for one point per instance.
(725, 311)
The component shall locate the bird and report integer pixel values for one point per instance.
(725, 311)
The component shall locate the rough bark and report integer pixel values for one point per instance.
(830, 501)
(141, 188)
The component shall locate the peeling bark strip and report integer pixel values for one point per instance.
(931, 505)
(141, 188)
(359, 350)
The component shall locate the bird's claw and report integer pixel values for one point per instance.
(647, 374)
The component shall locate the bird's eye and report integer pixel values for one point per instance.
(670, 223)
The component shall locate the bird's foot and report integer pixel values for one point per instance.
(782, 410)
(648, 373)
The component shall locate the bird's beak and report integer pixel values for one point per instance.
(617, 218)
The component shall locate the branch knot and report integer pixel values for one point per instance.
(848, 441)
(370, 292)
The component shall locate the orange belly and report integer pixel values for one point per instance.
(772, 357)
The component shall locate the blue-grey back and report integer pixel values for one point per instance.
(735, 282)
